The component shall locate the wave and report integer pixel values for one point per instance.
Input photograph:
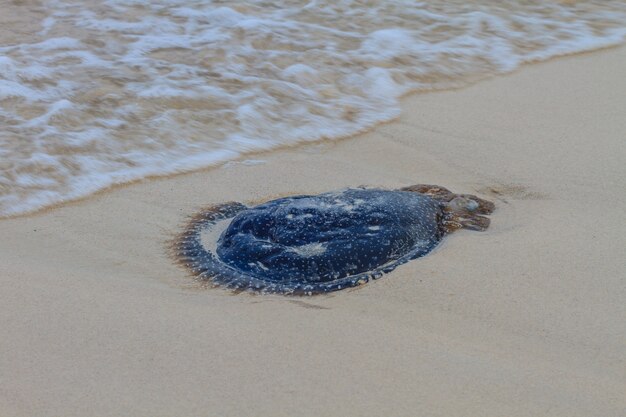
(99, 93)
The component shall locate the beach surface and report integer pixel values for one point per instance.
(526, 319)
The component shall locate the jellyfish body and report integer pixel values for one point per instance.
(311, 244)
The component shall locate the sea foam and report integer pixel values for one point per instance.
(105, 92)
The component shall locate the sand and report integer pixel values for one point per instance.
(526, 319)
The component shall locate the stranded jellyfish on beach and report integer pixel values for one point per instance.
(311, 244)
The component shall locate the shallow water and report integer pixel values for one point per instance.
(97, 93)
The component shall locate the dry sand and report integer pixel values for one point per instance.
(527, 319)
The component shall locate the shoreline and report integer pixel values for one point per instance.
(288, 147)
(521, 320)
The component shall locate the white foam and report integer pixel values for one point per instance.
(135, 87)
(54, 108)
(388, 43)
(10, 89)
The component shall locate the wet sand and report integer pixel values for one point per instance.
(526, 319)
